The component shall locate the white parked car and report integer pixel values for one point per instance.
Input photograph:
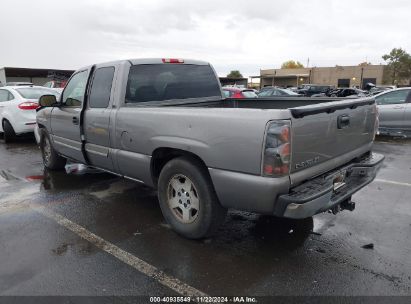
(394, 107)
(18, 106)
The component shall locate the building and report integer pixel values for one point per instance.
(35, 76)
(338, 76)
(241, 82)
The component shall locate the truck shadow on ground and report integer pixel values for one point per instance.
(60, 180)
(250, 232)
(129, 207)
(128, 215)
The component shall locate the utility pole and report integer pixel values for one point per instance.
(308, 62)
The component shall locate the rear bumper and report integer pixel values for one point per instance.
(321, 194)
(23, 121)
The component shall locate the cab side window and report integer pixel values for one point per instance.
(396, 97)
(73, 95)
(101, 87)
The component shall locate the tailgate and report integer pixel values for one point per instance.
(327, 135)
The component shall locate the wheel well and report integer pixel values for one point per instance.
(161, 156)
(3, 120)
(2, 123)
(41, 127)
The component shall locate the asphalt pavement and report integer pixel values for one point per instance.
(101, 235)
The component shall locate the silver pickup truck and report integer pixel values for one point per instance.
(164, 122)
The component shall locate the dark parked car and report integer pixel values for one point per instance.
(269, 92)
(346, 92)
(232, 92)
(311, 89)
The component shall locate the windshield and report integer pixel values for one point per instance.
(35, 93)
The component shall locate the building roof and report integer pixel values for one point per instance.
(29, 72)
(281, 76)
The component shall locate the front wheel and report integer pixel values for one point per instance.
(51, 159)
(188, 200)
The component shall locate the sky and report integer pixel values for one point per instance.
(232, 35)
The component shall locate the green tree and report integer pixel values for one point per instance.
(291, 64)
(235, 74)
(398, 65)
(405, 72)
(364, 64)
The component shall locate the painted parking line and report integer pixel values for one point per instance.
(392, 182)
(124, 256)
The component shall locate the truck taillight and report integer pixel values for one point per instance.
(28, 105)
(277, 149)
(172, 60)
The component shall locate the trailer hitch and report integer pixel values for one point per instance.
(345, 205)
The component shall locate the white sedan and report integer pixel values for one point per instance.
(18, 106)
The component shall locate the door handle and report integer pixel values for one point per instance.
(398, 107)
(75, 120)
(343, 121)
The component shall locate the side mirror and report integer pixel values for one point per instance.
(47, 101)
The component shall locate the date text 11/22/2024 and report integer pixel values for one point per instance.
(203, 299)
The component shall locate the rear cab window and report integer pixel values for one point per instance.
(159, 82)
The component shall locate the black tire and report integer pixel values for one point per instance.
(51, 159)
(210, 214)
(9, 134)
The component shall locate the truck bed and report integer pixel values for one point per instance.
(319, 142)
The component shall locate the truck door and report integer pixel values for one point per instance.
(391, 107)
(65, 119)
(97, 117)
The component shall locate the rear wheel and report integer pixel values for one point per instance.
(188, 200)
(51, 159)
(9, 134)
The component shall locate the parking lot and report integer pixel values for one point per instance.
(97, 234)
